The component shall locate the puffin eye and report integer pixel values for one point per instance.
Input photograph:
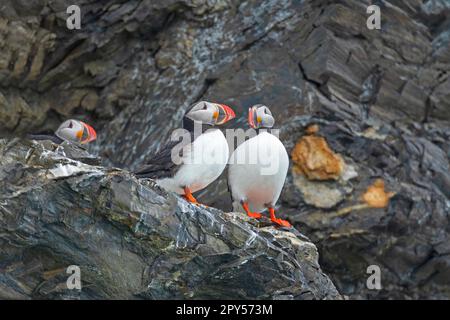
(205, 107)
(70, 125)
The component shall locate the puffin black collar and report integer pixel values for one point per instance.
(189, 125)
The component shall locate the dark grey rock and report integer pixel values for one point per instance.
(381, 98)
(132, 240)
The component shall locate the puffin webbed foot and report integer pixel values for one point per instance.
(189, 197)
(280, 222)
(255, 215)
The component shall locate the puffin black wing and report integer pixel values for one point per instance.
(231, 194)
(50, 137)
(161, 165)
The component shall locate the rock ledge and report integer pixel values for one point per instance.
(132, 240)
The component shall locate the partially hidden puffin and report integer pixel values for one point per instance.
(201, 160)
(258, 168)
(70, 130)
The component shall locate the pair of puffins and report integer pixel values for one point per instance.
(257, 167)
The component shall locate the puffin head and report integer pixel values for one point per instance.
(76, 131)
(209, 113)
(259, 116)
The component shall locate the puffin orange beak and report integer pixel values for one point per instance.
(227, 111)
(251, 117)
(91, 134)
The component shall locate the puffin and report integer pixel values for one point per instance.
(71, 130)
(202, 158)
(258, 168)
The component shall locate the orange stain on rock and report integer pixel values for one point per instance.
(376, 196)
(313, 157)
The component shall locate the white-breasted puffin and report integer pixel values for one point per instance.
(202, 160)
(258, 168)
(70, 130)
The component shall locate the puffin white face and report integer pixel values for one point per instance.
(259, 116)
(76, 131)
(210, 113)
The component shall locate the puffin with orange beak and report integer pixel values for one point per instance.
(201, 159)
(74, 131)
(258, 168)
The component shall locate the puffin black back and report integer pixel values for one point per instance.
(43, 136)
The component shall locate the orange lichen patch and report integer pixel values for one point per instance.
(313, 157)
(376, 196)
(312, 129)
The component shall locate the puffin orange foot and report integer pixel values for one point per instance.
(280, 222)
(190, 200)
(255, 215)
(189, 197)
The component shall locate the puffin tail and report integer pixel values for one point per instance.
(237, 207)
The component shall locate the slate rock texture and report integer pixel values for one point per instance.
(131, 240)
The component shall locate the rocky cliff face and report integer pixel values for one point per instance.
(132, 240)
(380, 98)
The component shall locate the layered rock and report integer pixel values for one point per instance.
(393, 213)
(380, 97)
(132, 240)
